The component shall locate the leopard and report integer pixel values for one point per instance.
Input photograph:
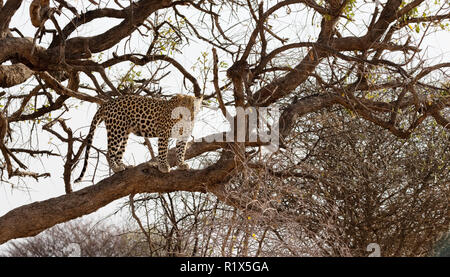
(145, 117)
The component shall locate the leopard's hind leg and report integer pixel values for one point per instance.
(116, 148)
(163, 145)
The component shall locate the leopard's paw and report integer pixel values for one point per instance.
(164, 168)
(118, 168)
(183, 166)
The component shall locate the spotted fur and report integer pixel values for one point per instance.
(142, 116)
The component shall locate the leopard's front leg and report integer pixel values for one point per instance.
(181, 151)
(163, 145)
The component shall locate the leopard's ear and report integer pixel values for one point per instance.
(197, 104)
(177, 97)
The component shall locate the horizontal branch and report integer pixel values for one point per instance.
(140, 179)
(88, 17)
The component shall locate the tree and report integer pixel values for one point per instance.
(360, 63)
(80, 237)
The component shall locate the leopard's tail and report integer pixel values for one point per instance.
(98, 117)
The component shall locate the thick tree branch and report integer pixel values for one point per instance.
(80, 47)
(11, 75)
(6, 13)
(150, 58)
(140, 179)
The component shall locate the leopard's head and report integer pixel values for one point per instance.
(191, 102)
